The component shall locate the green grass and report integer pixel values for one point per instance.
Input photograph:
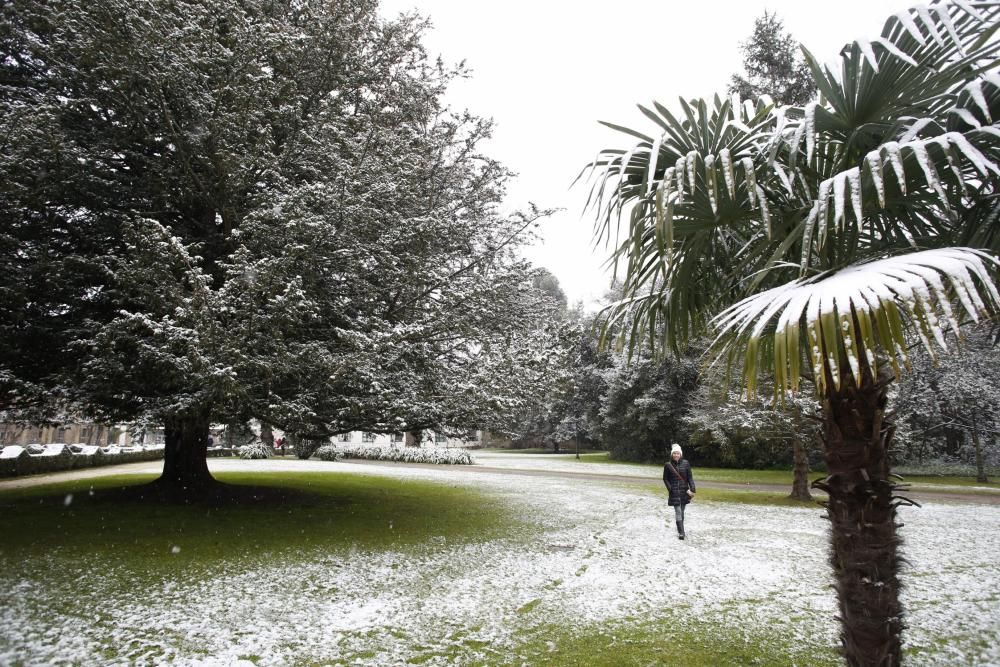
(605, 457)
(92, 540)
(746, 497)
(295, 516)
(948, 480)
(685, 641)
(280, 514)
(784, 477)
(540, 450)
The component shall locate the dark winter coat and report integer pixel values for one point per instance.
(678, 486)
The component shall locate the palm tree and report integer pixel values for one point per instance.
(818, 241)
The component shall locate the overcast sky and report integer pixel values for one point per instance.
(547, 70)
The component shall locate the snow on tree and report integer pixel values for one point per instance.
(644, 404)
(773, 66)
(950, 411)
(247, 209)
(569, 407)
(753, 433)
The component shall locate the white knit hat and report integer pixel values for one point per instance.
(676, 448)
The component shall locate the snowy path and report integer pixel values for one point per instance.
(599, 553)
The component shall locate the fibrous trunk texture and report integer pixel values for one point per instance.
(862, 511)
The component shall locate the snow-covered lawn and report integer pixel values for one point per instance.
(598, 555)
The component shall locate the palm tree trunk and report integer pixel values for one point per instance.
(862, 511)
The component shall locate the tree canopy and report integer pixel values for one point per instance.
(235, 209)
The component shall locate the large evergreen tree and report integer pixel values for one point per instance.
(773, 65)
(244, 208)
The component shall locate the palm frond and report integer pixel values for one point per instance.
(836, 317)
(900, 151)
(921, 56)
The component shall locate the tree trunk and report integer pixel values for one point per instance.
(862, 511)
(185, 466)
(267, 436)
(980, 467)
(306, 447)
(412, 438)
(800, 481)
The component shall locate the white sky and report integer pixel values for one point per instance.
(547, 70)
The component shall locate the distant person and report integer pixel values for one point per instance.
(679, 481)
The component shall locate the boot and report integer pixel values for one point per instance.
(680, 530)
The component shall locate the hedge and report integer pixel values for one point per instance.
(34, 459)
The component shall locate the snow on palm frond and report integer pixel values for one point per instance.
(698, 156)
(913, 164)
(915, 48)
(859, 310)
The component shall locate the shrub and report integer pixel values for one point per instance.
(393, 453)
(255, 450)
(328, 453)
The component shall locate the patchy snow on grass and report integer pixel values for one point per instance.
(594, 553)
(565, 463)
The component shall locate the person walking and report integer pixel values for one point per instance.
(679, 481)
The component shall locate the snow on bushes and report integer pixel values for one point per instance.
(331, 453)
(393, 453)
(255, 450)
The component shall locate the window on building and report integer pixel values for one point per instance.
(440, 437)
(367, 436)
(397, 437)
(344, 437)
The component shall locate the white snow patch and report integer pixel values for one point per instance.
(600, 552)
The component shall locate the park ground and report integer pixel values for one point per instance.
(521, 559)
